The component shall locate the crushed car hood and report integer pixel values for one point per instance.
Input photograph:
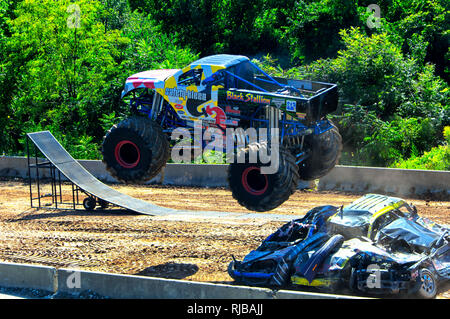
(409, 231)
(377, 253)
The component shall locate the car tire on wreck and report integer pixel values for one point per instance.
(325, 151)
(428, 287)
(135, 150)
(263, 192)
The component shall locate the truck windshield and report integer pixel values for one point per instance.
(248, 76)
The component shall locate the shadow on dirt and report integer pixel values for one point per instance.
(170, 270)
(52, 213)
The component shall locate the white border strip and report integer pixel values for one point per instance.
(116, 286)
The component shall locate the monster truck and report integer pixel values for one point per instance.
(223, 92)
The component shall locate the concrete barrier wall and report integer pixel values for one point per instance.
(387, 180)
(204, 175)
(137, 287)
(342, 178)
(13, 275)
(75, 282)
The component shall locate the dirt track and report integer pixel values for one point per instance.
(126, 243)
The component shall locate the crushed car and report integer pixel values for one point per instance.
(375, 245)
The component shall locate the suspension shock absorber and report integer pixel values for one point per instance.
(273, 117)
(156, 105)
(297, 144)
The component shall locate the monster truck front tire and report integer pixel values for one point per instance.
(135, 150)
(263, 192)
(325, 151)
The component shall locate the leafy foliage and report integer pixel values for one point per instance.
(393, 78)
(57, 74)
(65, 79)
(438, 158)
(150, 48)
(394, 106)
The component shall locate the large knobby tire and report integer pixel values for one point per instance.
(263, 192)
(135, 150)
(325, 150)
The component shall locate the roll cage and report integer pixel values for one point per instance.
(313, 100)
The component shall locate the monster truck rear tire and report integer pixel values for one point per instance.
(260, 192)
(135, 150)
(326, 150)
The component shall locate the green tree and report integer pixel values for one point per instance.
(398, 139)
(313, 27)
(64, 64)
(62, 59)
(150, 48)
(395, 106)
(370, 71)
(438, 158)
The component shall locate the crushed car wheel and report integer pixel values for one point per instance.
(135, 150)
(428, 288)
(263, 192)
